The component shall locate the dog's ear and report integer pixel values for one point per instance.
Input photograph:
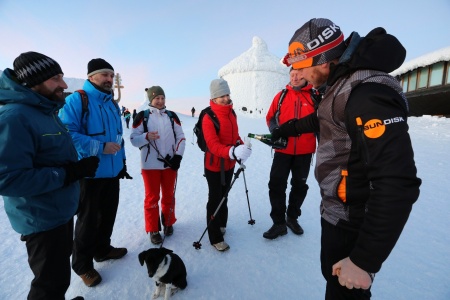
(142, 257)
(166, 251)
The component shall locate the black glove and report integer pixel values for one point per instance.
(175, 162)
(276, 134)
(287, 129)
(123, 173)
(166, 161)
(85, 167)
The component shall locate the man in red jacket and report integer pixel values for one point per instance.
(293, 102)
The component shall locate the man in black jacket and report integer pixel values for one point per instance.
(365, 162)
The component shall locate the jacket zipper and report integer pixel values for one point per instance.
(362, 141)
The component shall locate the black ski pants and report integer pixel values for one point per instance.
(215, 195)
(282, 166)
(336, 244)
(49, 259)
(99, 200)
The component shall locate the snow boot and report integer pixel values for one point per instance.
(168, 230)
(294, 226)
(91, 278)
(275, 231)
(221, 246)
(155, 237)
(114, 253)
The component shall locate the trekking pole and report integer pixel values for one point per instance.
(163, 159)
(197, 245)
(251, 221)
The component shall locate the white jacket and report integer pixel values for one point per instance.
(167, 144)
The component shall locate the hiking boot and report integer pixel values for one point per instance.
(275, 231)
(294, 226)
(168, 230)
(114, 253)
(222, 246)
(223, 230)
(91, 278)
(155, 237)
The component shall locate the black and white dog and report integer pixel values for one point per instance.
(166, 268)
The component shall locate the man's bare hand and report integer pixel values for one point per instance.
(350, 275)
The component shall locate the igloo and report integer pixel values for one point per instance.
(255, 77)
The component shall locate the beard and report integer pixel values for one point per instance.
(107, 86)
(57, 95)
(317, 78)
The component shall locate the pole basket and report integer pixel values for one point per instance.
(197, 245)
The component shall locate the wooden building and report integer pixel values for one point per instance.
(426, 83)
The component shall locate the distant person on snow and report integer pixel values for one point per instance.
(134, 114)
(295, 159)
(224, 149)
(161, 140)
(127, 116)
(193, 111)
(39, 170)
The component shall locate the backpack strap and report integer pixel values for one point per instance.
(214, 119)
(216, 123)
(84, 108)
(144, 122)
(280, 101)
(171, 116)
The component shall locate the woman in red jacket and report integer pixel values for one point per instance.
(225, 147)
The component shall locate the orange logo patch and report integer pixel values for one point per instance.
(374, 128)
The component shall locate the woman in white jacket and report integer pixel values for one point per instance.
(158, 134)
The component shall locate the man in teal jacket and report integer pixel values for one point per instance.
(96, 131)
(39, 170)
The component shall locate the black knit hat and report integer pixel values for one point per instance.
(33, 68)
(98, 65)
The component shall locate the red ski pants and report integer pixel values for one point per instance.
(158, 182)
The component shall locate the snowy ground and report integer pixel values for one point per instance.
(256, 268)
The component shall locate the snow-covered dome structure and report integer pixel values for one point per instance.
(254, 78)
(74, 84)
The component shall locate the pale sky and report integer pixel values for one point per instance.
(181, 45)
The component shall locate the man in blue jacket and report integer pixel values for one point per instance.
(39, 170)
(96, 130)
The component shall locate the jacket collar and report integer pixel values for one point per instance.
(11, 91)
(221, 109)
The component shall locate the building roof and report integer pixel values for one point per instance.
(424, 60)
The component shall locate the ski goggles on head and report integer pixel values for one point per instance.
(298, 57)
